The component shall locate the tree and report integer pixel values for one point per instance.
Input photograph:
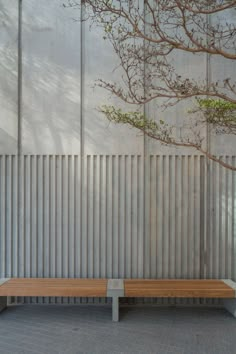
(146, 35)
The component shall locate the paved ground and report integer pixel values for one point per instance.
(54, 329)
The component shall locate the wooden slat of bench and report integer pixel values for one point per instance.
(177, 288)
(54, 287)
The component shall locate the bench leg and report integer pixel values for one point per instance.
(3, 303)
(230, 305)
(115, 290)
(115, 309)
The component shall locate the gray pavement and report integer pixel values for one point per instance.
(54, 329)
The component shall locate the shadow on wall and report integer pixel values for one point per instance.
(52, 76)
(55, 83)
(51, 79)
(8, 76)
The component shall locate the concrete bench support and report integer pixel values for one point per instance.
(115, 290)
(3, 299)
(3, 303)
(230, 304)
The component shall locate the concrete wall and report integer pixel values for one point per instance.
(8, 76)
(61, 59)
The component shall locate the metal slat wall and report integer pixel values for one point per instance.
(221, 232)
(64, 216)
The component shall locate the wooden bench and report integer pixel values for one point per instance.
(224, 289)
(179, 288)
(54, 287)
(116, 288)
(58, 287)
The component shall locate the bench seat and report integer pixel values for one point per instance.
(178, 288)
(117, 288)
(54, 287)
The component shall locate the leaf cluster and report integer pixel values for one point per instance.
(221, 114)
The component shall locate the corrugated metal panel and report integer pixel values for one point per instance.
(221, 230)
(174, 216)
(63, 216)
